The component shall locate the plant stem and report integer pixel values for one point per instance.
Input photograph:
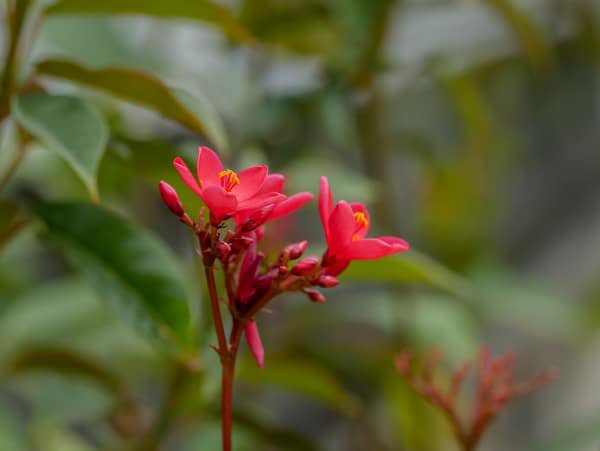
(228, 373)
(13, 165)
(209, 272)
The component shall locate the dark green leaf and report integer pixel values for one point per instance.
(130, 268)
(201, 10)
(66, 362)
(10, 221)
(145, 90)
(70, 127)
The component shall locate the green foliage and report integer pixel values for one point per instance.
(145, 90)
(131, 269)
(302, 378)
(70, 127)
(202, 10)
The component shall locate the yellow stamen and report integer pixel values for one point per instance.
(229, 179)
(361, 219)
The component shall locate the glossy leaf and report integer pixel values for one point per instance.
(302, 378)
(129, 267)
(68, 126)
(409, 268)
(145, 90)
(200, 10)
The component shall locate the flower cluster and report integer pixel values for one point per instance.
(248, 200)
(495, 388)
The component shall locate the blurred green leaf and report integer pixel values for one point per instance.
(535, 45)
(65, 362)
(55, 437)
(303, 378)
(201, 10)
(305, 26)
(145, 90)
(409, 268)
(131, 269)
(70, 127)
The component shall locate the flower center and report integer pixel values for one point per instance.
(361, 221)
(229, 179)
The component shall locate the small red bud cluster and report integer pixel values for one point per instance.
(495, 389)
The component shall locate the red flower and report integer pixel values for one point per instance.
(273, 184)
(346, 226)
(225, 192)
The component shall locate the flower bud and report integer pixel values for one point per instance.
(315, 296)
(305, 266)
(283, 269)
(171, 199)
(295, 250)
(326, 281)
(224, 249)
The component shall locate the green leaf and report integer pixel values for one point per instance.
(70, 127)
(66, 362)
(130, 268)
(200, 10)
(303, 378)
(538, 50)
(409, 268)
(145, 90)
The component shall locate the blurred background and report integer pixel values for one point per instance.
(470, 128)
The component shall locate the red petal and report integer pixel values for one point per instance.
(260, 201)
(369, 249)
(273, 184)
(187, 176)
(341, 227)
(253, 339)
(325, 204)
(220, 203)
(251, 180)
(208, 166)
(398, 244)
(290, 205)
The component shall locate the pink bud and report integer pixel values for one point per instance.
(327, 281)
(296, 250)
(283, 269)
(254, 342)
(171, 199)
(305, 266)
(315, 296)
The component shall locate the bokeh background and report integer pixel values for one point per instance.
(471, 128)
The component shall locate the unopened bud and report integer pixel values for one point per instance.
(305, 266)
(283, 269)
(224, 249)
(327, 281)
(295, 250)
(171, 199)
(315, 296)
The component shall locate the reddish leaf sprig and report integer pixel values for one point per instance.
(495, 388)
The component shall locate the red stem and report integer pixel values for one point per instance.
(228, 373)
(209, 272)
